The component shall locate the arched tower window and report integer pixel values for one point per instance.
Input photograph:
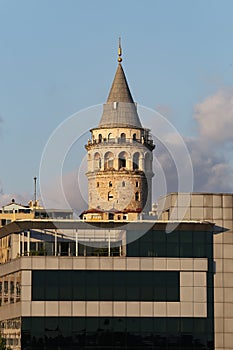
(100, 138)
(122, 160)
(134, 137)
(123, 183)
(97, 161)
(108, 160)
(110, 137)
(110, 184)
(137, 196)
(136, 161)
(123, 137)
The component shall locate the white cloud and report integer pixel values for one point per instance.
(209, 150)
(215, 117)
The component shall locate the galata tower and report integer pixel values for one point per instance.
(120, 155)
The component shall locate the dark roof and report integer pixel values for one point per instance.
(120, 109)
(120, 90)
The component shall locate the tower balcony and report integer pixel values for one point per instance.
(148, 143)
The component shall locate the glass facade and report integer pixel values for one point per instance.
(110, 333)
(102, 285)
(183, 244)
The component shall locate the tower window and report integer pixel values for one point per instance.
(110, 216)
(136, 161)
(123, 183)
(108, 160)
(134, 137)
(97, 184)
(122, 163)
(100, 138)
(97, 161)
(123, 137)
(110, 184)
(110, 196)
(137, 196)
(136, 183)
(122, 160)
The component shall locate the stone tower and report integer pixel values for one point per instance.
(120, 154)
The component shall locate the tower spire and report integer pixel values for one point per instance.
(119, 51)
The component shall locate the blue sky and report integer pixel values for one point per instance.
(58, 57)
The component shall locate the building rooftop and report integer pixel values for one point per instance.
(43, 224)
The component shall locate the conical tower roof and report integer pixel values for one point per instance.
(120, 109)
(120, 90)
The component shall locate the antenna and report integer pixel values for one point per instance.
(35, 178)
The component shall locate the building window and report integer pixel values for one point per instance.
(100, 138)
(110, 138)
(123, 137)
(122, 160)
(134, 137)
(123, 183)
(136, 183)
(93, 285)
(110, 196)
(97, 161)
(136, 161)
(98, 184)
(5, 287)
(110, 184)
(108, 160)
(110, 216)
(137, 196)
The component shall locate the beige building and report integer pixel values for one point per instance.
(216, 208)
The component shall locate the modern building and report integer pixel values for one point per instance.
(111, 286)
(218, 209)
(113, 280)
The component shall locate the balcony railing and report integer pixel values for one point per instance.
(146, 142)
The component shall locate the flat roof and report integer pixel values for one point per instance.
(46, 224)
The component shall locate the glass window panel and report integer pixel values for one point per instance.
(173, 250)
(186, 237)
(106, 285)
(65, 289)
(186, 250)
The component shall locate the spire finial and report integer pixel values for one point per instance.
(119, 51)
